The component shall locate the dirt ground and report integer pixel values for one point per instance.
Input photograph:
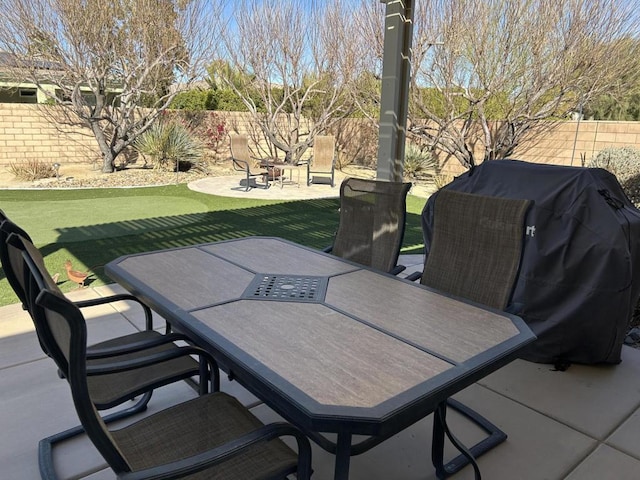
(85, 175)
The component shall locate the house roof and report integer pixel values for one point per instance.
(11, 60)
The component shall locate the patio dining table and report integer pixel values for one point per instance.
(331, 346)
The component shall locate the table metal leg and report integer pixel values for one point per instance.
(343, 456)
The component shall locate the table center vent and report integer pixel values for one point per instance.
(287, 288)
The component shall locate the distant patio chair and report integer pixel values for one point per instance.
(475, 254)
(212, 436)
(323, 160)
(242, 162)
(372, 222)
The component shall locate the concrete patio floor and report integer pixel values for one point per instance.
(228, 186)
(581, 424)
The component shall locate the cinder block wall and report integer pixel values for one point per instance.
(43, 132)
(30, 132)
(557, 145)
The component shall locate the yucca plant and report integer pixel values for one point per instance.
(419, 164)
(168, 144)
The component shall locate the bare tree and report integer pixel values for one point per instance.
(489, 73)
(288, 66)
(102, 61)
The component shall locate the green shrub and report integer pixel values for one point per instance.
(419, 164)
(31, 169)
(193, 100)
(170, 145)
(624, 163)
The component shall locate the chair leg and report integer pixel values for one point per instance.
(45, 446)
(467, 456)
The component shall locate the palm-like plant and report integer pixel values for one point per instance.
(168, 144)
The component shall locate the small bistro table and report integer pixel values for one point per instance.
(273, 165)
(329, 345)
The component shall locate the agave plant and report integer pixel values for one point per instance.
(168, 144)
(420, 164)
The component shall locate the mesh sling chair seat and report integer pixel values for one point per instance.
(372, 223)
(210, 437)
(323, 160)
(112, 379)
(475, 254)
(242, 162)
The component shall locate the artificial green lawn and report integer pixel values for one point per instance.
(94, 226)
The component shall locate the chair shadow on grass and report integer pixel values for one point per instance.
(308, 222)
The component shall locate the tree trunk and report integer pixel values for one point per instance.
(108, 162)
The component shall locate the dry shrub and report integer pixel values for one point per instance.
(31, 169)
(624, 163)
(357, 142)
(442, 179)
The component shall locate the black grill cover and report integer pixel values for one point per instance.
(580, 278)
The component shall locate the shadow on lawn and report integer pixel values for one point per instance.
(310, 222)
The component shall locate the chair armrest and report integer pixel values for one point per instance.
(118, 298)
(414, 276)
(397, 269)
(95, 352)
(197, 463)
(240, 165)
(118, 366)
(515, 308)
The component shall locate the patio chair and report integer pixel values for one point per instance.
(475, 254)
(212, 436)
(372, 222)
(242, 162)
(323, 160)
(159, 359)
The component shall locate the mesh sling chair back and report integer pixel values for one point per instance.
(476, 247)
(210, 437)
(323, 160)
(158, 360)
(372, 222)
(475, 254)
(242, 162)
(12, 271)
